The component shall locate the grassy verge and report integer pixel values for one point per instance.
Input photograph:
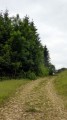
(9, 87)
(61, 85)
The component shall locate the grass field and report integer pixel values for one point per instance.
(9, 87)
(61, 85)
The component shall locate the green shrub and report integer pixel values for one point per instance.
(31, 75)
(43, 71)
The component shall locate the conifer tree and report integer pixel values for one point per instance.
(20, 48)
(46, 57)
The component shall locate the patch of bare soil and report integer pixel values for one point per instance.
(36, 101)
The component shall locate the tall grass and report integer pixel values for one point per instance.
(8, 87)
(61, 85)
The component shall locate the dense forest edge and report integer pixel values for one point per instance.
(21, 53)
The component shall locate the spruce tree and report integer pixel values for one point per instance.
(46, 57)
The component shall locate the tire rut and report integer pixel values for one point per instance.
(14, 109)
(57, 103)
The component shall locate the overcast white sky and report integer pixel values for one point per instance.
(50, 18)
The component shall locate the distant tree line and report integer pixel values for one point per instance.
(61, 70)
(21, 53)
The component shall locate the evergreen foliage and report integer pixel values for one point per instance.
(49, 66)
(46, 57)
(21, 52)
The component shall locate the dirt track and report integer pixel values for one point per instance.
(57, 103)
(36, 101)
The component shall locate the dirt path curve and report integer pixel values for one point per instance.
(56, 101)
(36, 101)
